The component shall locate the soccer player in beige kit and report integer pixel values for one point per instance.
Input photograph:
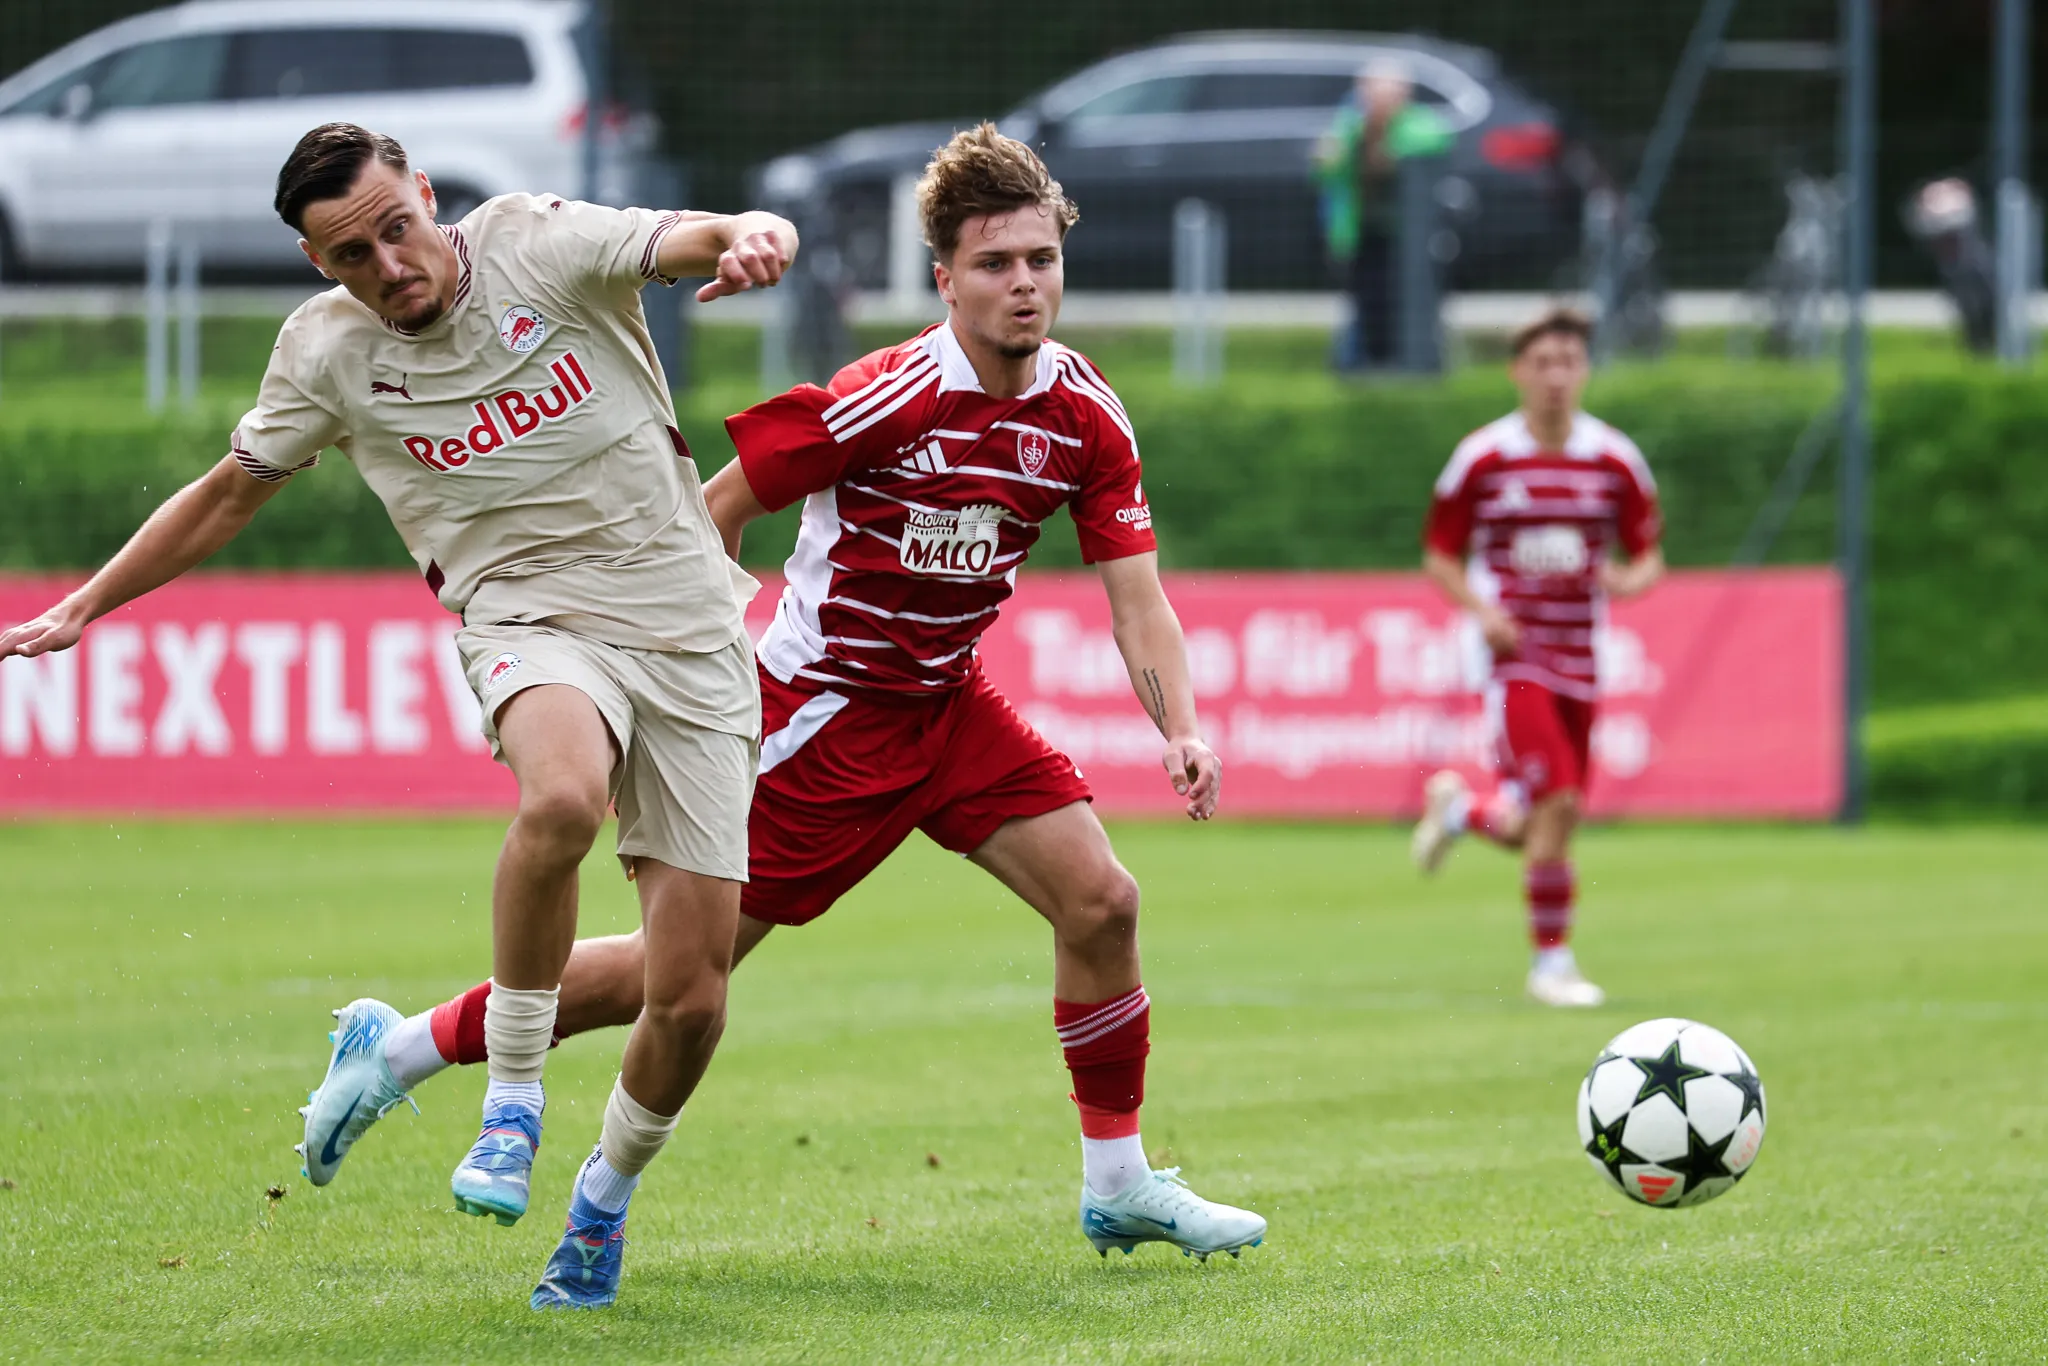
(494, 383)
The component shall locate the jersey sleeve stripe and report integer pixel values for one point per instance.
(1469, 452)
(927, 376)
(886, 382)
(650, 254)
(1108, 405)
(1085, 368)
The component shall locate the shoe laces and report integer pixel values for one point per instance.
(1177, 1193)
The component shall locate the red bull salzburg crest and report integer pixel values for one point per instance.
(1034, 448)
(522, 329)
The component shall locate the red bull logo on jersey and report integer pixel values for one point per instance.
(522, 328)
(505, 418)
(959, 543)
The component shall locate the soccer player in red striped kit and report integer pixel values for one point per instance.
(1541, 501)
(925, 471)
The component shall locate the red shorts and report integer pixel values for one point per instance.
(847, 775)
(1543, 739)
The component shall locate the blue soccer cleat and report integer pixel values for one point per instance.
(584, 1272)
(1160, 1208)
(493, 1178)
(357, 1091)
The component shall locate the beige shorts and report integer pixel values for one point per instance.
(687, 725)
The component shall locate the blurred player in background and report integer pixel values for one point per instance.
(926, 471)
(494, 383)
(1540, 501)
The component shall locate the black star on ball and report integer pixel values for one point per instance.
(1667, 1073)
(1703, 1159)
(1752, 1088)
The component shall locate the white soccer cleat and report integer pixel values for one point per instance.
(1566, 987)
(358, 1090)
(1160, 1208)
(1433, 834)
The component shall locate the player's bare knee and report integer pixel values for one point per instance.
(1106, 911)
(1564, 806)
(564, 816)
(691, 1012)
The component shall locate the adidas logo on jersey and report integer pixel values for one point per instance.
(962, 543)
(928, 459)
(505, 418)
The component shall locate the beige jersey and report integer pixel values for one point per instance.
(524, 442)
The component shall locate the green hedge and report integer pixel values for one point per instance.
(1280, 469)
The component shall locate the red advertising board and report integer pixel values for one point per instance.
(1328, 695)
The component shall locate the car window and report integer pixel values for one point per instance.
(49, 99)
(292, 63)
(459, 59)
(183, 70)
(1238, 90)
(1159, 95)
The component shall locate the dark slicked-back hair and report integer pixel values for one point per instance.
(982, 172)
(1558, 322)
(326, 163)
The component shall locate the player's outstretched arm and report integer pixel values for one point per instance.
(192, 524)
(1148, 635)
(739, 251)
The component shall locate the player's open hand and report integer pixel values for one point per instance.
(755, 260)
(56, 629)
(1197, 774)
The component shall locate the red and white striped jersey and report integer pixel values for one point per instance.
(922, 495)
(1537, 524)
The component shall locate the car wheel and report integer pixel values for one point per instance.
(455, 203)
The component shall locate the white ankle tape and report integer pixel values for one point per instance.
(518, 1026)
(633, 1134)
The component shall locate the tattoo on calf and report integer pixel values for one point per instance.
(1154, 698)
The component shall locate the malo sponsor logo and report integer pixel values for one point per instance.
(505, 418)
(962, 543)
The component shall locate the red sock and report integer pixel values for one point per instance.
(1497, 816)
(458, 1026)
(1550, 886)
(1106, 1044)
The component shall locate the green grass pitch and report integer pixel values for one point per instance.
(882, 1164)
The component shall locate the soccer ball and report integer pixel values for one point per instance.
(1672, 1113)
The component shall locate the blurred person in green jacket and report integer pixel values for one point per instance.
(1357, 166)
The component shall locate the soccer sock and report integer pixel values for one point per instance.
(412, 1052)
(1494, 816)
(1105, 1045)
(459, 1027)
(1550, 887)
(631, 1137)
(1458, 815)
(518, 1026)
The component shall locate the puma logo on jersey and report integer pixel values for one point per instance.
(505, 418)
(962, 543)
(378, 386)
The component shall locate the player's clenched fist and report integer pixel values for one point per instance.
(1197, 774)
(762, 248)
(55, 629)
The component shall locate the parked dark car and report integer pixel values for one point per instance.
(1234, 118)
